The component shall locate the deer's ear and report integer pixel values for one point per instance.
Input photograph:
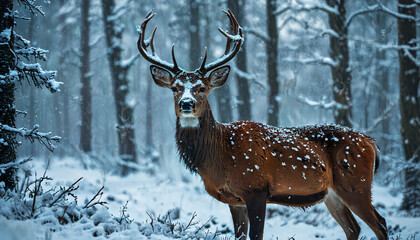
(219, 76)
(161, 76)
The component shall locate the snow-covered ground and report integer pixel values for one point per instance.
(157, 194)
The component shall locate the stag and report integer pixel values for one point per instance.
(247, 164)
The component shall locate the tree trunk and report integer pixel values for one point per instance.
(339, 52)
(244, 105)
(85, 76)
(149, 119)
(63, 71)
(32, 94)
(272, 53)
(7, 96)
(113, 37)
(409, 104)
(195, 49)
(382, 76)
(224, 104)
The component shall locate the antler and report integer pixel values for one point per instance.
(152, 57)
(237, 38)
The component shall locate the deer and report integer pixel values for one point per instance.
(247, 165)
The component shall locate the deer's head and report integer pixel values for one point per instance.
(190, 88)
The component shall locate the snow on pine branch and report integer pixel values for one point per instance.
(30, 4)
(14, 164)
(38, 76)
(33, 134)
(302, 7)
(378, 7)
(23, 47)
(33, 51)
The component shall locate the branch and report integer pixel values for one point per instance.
(96, 41)
(99, 193)
(411, 57)
(37, 188)
(32, 51)
(385, 115)
(33, 134)
(32, 7)
(307, 8)
(378, 7)
(322, 104)
(67, 191)
(319, 60)
(38, 75)
(258, 34)
(405, 48)
(305, 26)
(13, 164)
(127, 63)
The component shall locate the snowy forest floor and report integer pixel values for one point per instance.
(152, 195)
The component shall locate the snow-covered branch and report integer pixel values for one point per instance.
(405, 48)
(378, 7)
(323, 104)
(96, 40)
(38, 76)
(317, 31)
(33, 134)
(127, 63)
(411, 57)
(14, 164)
(317, 60)
(256, 33)
(30, 4)
(32, 51)
(385, 115)
(303, 7)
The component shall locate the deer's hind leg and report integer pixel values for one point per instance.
(342, 215)
(360, 204)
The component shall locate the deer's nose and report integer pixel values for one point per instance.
(186, 104)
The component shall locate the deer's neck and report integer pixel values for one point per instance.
(200, 146)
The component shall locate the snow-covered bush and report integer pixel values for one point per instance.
(58, 209)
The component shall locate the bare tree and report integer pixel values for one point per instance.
(85, 77)
(409, 100)
(272, 63)
(194, 30)
(382, 31)
(224, 103)
(111, 15)
(243, 99)
(339, 53)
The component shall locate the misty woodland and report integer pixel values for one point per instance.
(209, 119)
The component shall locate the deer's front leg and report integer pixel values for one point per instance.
(240, 221)
(256, 204)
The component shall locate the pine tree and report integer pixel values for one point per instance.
(14, 50)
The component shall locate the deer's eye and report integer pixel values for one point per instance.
(174, 89)
(202, 89)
